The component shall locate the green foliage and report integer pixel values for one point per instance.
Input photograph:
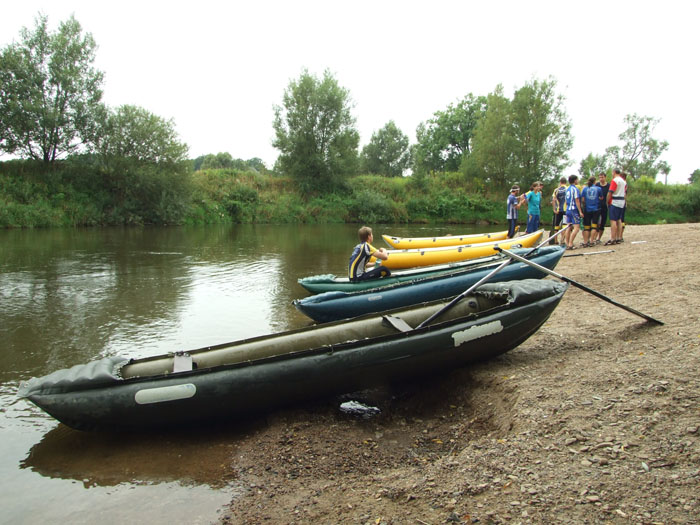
(78, 193)
(131, 135)
(387, 152)
(592, 165)
(49, 91)
(224, 160)
(694, 177)
(689, 201)
(494, 142)
(541, 130)
(639, 153)
(315, 133)
(446, 139)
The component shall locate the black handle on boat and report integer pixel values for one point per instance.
(481, 281)
(578, 285)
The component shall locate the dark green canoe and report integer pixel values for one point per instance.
(331, 306)
(255, 375)
(333, 283)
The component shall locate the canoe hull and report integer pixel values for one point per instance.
(331, 306)
(428, 256)
(255, 386)
(404, 243)
(332, 283)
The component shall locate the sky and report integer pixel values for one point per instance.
(218, 68)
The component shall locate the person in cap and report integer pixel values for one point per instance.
(513, 203)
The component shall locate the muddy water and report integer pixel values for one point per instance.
(70, 296)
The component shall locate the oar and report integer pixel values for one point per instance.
(587, 253)
(461, 296)
(577, 285)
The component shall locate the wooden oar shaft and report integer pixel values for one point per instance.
(482, 281)
(578, 285)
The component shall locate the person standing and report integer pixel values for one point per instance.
(622, 219)
(513, 203)
(591, 197)
(604, 186)
(616, 207)
(558, 198)
(572, 207)
(533, 198)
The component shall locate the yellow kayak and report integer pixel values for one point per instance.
(428, 256)
(404, 243)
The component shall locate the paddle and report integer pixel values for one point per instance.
(577, 285)
(461, 296)
(587, 253)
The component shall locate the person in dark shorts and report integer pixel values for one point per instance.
(572, 207)
(362, 253)
(604, 185)
(591, 197)
(513, 203)
(616, 206)
(558, 197)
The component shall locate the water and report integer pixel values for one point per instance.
(71, 296)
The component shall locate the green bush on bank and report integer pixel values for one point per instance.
(82, 194)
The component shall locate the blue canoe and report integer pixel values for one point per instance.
(331, 306)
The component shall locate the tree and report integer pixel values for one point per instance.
(694, 177)
(135, 135)
(493, 141)
(144, 166)
(640, 152)
(592, 165)
(447, 138)
(387, 152)
(49, 91)
(221, 160)
(541, 131)
(315, 132)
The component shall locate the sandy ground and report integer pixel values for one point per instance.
(595, 419)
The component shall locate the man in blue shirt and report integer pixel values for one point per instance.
(592, 199)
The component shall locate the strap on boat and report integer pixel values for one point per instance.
(182, 362)
(396, 323)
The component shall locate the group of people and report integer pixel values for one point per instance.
(579, 206)
(587, 206)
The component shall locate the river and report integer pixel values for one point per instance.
(70, 296)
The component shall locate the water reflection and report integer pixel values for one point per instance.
(197, 456)
(70, 296)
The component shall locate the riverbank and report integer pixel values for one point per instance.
(595, 419)
(78, 195)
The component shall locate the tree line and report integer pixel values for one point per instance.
(51, 109)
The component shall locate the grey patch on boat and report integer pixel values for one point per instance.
(355, 408)
(166, 393)
(475, 332)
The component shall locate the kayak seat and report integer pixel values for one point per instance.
(396, 323)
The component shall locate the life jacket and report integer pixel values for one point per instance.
(560, 196)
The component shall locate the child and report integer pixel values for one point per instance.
(362, 253)
(533, 198)
(592, 197)
(572, 203)
(512, 205)
(558, 198)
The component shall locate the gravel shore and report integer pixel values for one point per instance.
(595, 419)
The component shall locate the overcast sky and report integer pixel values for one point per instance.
(217, 68)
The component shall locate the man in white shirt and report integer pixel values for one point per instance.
(616, 206)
